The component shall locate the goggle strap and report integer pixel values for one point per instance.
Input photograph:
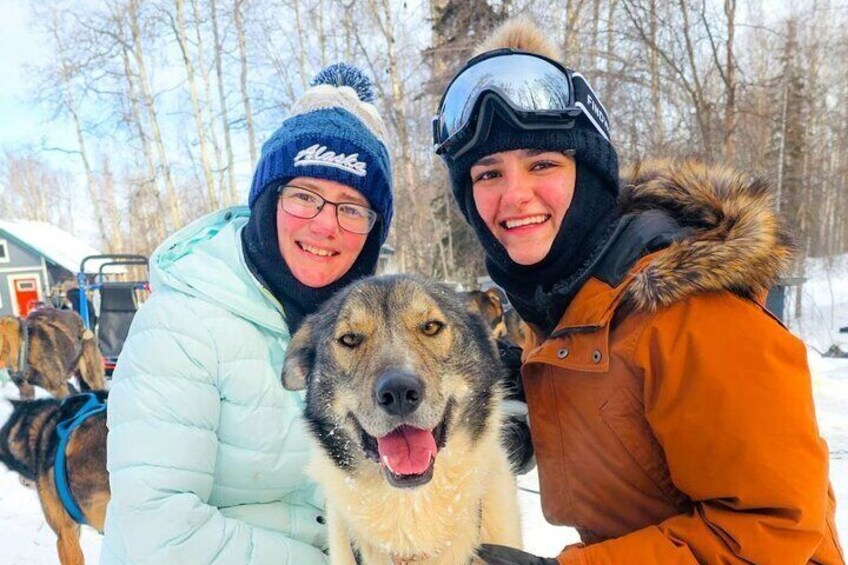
(586, 99)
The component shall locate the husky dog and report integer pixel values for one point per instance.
(28, 443)
(403, 399)
(57, 348)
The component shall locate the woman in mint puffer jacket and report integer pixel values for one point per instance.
(206, 450)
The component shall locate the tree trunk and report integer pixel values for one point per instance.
(571, 45)
(180, 32)
(303, 43)
(781, 154)
(150, 184)
(115, 243)
(654, 69)
(322, 34)
(701, 109)
(222, 99)
(90, 183)
(730, 83)
(207, 110)
(238, 18)
(400, 118)
(147, 100)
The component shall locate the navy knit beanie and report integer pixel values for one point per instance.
(333, 133)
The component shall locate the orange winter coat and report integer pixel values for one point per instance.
(671, 414)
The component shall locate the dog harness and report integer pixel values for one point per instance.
(93, 405)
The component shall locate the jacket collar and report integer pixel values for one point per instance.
(580, 340)
(205, 259)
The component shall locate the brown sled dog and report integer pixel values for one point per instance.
(504, 322)
(404, 402)
(28, 443)
(58, 347)
(488, 304)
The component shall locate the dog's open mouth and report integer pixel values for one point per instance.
(407, 454)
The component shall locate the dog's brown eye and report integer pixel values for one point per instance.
(351, 340)
(431, 327)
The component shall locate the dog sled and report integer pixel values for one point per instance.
(118, 300)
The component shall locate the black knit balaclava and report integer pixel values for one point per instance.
(262, 253)
(541, 292)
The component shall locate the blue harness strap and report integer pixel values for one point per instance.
(93, 405)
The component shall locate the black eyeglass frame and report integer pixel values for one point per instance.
(371, 214)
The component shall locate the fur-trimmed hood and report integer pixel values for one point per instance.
(736, 240)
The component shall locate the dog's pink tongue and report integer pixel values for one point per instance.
(407, 450)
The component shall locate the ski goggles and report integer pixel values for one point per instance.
(531, 91)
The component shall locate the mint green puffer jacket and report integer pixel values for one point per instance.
(206, 449)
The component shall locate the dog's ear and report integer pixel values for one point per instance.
(495, 297)
(300, 357)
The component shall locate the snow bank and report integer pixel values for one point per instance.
(824, 304)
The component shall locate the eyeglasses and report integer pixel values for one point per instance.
(531, 91)
(303, 203)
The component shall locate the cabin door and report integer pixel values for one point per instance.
(26, 293)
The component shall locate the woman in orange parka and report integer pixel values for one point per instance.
(671, 413)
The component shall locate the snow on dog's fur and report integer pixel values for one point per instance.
(403, 400)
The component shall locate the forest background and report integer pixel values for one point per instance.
(153, 111)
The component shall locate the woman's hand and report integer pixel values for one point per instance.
(503, 555)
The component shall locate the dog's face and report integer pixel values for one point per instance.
(393, 366)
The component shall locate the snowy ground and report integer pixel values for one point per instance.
(25, 538)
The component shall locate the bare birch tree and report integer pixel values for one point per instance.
(222, 101)
(132, 12)
(238, 19)
(179, 27)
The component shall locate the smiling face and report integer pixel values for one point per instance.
(318, 251)
(522, 196)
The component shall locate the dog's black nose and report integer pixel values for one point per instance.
(399, 393)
